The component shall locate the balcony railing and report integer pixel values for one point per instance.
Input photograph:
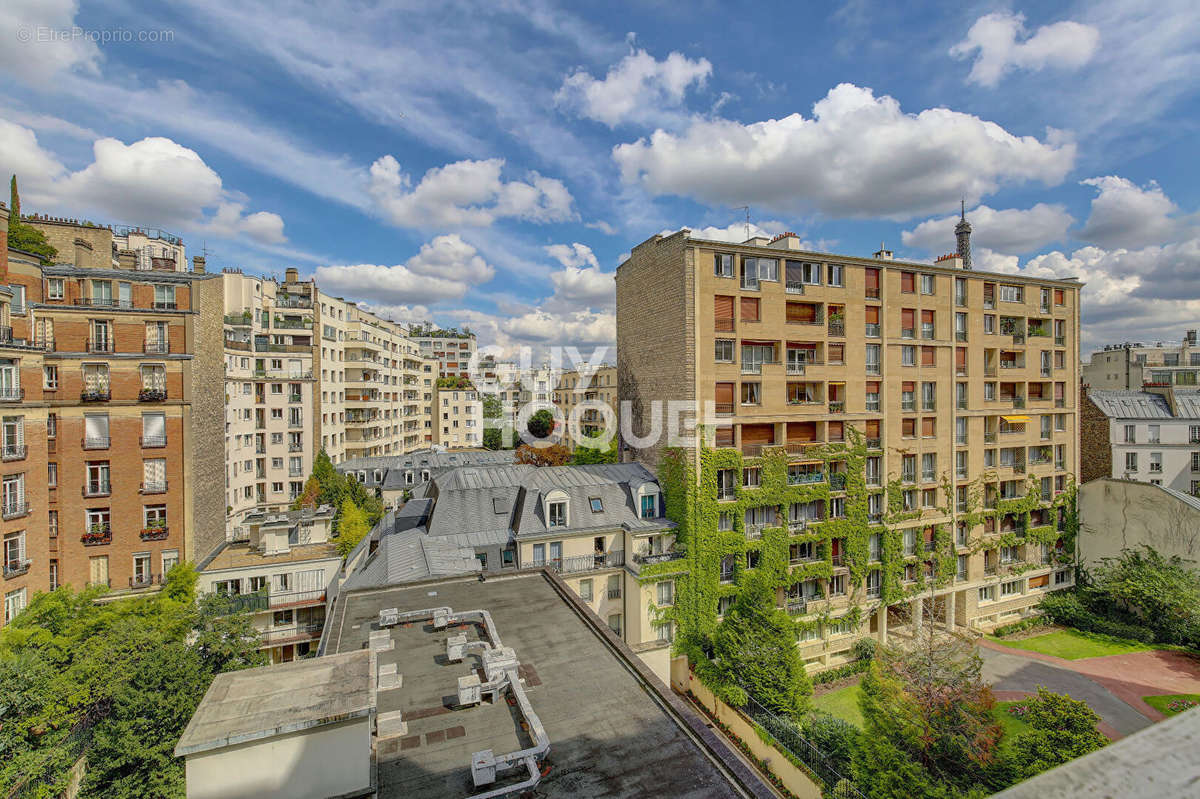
(97, 534)
(722, 325)
(805, 478)
(153, 442)
(152, 395)
(726, 494)
(874, 443)
(99, 345)
(793, 287)
(837, 407)
(95, 395)
(154, 487)
(661, 557)
(837, 328)
(13, 452)
(156, 347)
(15, 568)
(11, 394)
(585, 563)
(96, 442)
(300, 632)
(145, 581)
(872, 330)
(155, 533)
(797, 606)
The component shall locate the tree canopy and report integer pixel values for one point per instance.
(553, 455)
(599, 454)
(26, 237)
(541, 423)
(327, 486)
(353, 527)
(117, 680)
(1062, 729)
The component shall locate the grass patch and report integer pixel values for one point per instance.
(1162, 703)
(842, 703)
(1076, 645)
(1012, 725)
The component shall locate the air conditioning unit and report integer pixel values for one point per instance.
(483, 768)
(456, 647)
(469, 692)
(389, 617)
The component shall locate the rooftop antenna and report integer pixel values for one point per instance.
(745, 208)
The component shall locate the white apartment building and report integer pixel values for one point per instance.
(452, 349)
(152, 248)
(269, 390)
(457, 418)
(1130, 366)
(280, 569)
(1152, 436)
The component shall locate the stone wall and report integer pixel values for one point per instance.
(207, 429)
(1125, 514)
(656, 342)
(62, 233)
(1095, 446)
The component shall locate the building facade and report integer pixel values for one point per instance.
(1152, 436)
(457, 416)
(886, 440)
(585, 385)
(1129, 367)
(452, 349)
(104, 481)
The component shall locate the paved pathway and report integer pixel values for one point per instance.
(1113, 685)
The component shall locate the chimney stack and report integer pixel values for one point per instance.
(291, 275)
(883, 254)
(198, 264)
(83, 253)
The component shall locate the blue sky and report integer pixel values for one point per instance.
(488, 164)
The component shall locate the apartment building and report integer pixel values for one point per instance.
(1128, 367)
(587, 385)
(281, 572)
(905, 432)
(601, 527)
(108, 390)
(269, 395)
(1152, 436)
(457, 415)
(451, 348)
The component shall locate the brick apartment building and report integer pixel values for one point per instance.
(104, 481)
(960, 385)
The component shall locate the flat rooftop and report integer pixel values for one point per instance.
(610, 734)
(247, 705)
(239, 555)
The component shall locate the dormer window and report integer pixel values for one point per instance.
(556, 513)
(648, 501)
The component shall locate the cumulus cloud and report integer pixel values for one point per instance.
(464, 193)
(637, 88)
(575, 254)
(1126, 215)
(29, 54)
(588, 287)
(154, 182)
(734, 233)
(444, 269)
(1010, 230)
(859, 155)
(993, 42)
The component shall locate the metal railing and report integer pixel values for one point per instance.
(660, 557)
(96, 442)
(11, 394)
(97, 488)
(15, 568)
(156, 347)
(95, 395)
(300, 632)
(13, 452)
(151, 442)
(837, 329)
(585, 563)
(154, 487)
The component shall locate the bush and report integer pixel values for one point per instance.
(1069, 609)
(839, 672)
(864, 648)
(834, 737)
(1019, 626)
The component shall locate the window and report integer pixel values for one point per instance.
(908, 282)
(585, 586)
(874, 582)
(908, 355)
(874, 547)
(987, 593)
(837, 585)
(724, 521)
(14, 603)
(1012, 587)
(14, 551)
(749, 309)
(666, 593)
(557, 514)
(649, 506)
(872, 357)
(723, 264)
(751, 394)
(928, 356)
(614, 623)
(927, 284)
(835, 274)
(596, 504)
(989, 323)
(50, 378)
(1131, 461)
(54, 288)
(752, 476)
(723, 350)
(1011, 293)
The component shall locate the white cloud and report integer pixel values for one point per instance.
(572, 254)
(859, 155)
(993, 41)
(35, 48)
(1126, 215)
(587, 287)
(1010, 230)
(602, 226)
(444, 269)
(637, 88)
(154, 182)
(734, 233)
(464, 193)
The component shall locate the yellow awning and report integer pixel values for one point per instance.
(1016, 419)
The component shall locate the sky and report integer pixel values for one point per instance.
(490, 164)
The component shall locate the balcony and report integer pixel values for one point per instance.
(586, 563)
(154, 487)
(13, 452)
(726, 494)
(299, 633)
(837, 481)
(837, 328)
(293, 301)
(960, 335)
(614, 593)
(837, 407)
(145, 581)
(721, 325)
(797, 607)
(793, 287)
(156, 532)
(153, 442)
(97, 488)
(96, 442)
(15, 568)
(871, 330)
(95, 395)
(156, 347)
(152, 395)
(661, 557)
(295, 446)
(99, 345)
(11, 394)
(101, 302)
(1060, 341)
(96, 535)
(752, 368)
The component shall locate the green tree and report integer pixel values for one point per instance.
(493, 438)
(493, 408)
(755, 648)
(1162, 593)
(26, 237)
(541, 423)
(585, 454)
(553, 455)
(352, 528)
(1063, 729)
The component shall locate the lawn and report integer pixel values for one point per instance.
(843, 703)
(1076, 645)
(1162, 703)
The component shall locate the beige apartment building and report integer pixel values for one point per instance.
(269, 384)
(585, 385)
(888, 440)
(452, 349)
(457, 417)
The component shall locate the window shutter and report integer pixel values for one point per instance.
(724, 393)
(873, 387)
(927, 317)
(908, 318)
(872, 314)
(908, 282)
(749, 309)
(927, 426)
(1059, 297)
(723, 307)
(960, 356)
(872, 277)
(909, 385)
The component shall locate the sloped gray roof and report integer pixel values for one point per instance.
(1131, 404)
(1187, 404)
(1183, 497)
(405, 551)
(395, 467)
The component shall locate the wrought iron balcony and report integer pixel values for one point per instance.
(11, 394)
(152, 395)
(15, 568)
(97, 534)
(96, 442)
(97, 488)
(13, 452)
(156, 532)
(152, 442)
(154, 487)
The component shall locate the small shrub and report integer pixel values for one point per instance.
(1069, 610)
(840, 672)
(864, 649)
(834, 737)
(1021, 626)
